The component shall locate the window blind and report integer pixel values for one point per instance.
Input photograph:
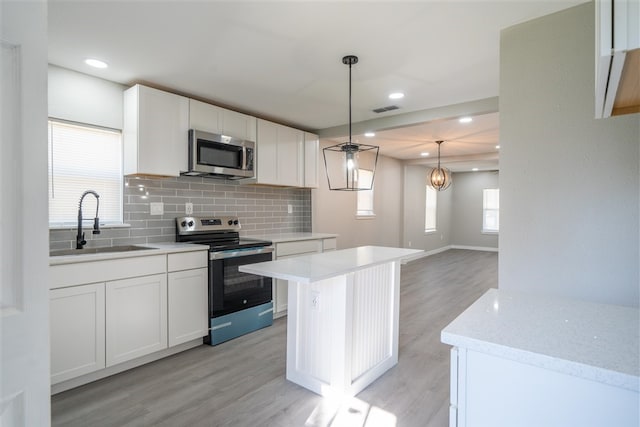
(365, 197)
(491, 209)
(431, 204)
(84, 158)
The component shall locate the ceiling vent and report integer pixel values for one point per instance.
(383, 109)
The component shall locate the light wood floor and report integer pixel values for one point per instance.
(242, 382)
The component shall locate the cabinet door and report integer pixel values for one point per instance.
(267, 158)
(238, 125)
(136, 317)
(77, 324)
(187, 302)
(155, 133)
(290, 161)
(311, 159)
(205, 117)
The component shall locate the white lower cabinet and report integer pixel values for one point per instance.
(187, 309)
(488, 390)
(289, 250)
(136, 317)
(77, 326)
(138, 306)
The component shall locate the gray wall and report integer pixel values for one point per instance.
(569, 183)
(466, 214)
(262, 210)
(335, 211)
(415, 179)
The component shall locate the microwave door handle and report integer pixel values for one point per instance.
(244, 158)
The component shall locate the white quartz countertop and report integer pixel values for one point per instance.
(319, 266)
(294, 237)
(154, 249)
(598, 342)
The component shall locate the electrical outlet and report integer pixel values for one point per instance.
(315, 300)
(156, 208)
(188, 208)
(290, 209)
(409, 243)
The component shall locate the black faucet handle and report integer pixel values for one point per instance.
(82, 241)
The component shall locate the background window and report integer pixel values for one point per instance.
(84, 158)
(430, 209)
(491, 210)
(365, 197)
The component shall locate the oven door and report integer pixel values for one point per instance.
(231, 290)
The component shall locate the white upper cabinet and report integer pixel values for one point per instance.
(280, 155)
(311, 165)
(155, 134)
(617, 57)
(211, 118)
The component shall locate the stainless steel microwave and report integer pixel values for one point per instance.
(220, 156)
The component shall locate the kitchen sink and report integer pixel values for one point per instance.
(106, 249)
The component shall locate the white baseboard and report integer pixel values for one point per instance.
(474, 248)
(112, 370)
(437, 251)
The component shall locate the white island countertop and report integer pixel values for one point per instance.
(598, 342)
(319, 266)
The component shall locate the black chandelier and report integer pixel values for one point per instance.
(350, 166)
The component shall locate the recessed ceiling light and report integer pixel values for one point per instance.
(96, 63)
(475, 169)
(465, 120)
(369, 134)
(396, 95)
(424, 154)
(497, 147)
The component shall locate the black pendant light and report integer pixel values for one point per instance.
(350, 166)
(440, 178)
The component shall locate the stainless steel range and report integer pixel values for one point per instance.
(239, 303)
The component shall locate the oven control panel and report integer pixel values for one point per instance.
(194, 224)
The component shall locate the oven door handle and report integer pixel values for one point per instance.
(239, 253)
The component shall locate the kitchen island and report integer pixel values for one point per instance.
(342, 325)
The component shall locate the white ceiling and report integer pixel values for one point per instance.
(283, 60)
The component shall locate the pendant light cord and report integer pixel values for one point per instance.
(349, 102)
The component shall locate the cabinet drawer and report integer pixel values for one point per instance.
(299, 247)
(103, 271)
(329, 244)
(186, 260)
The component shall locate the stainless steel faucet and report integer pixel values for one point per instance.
(80, 242)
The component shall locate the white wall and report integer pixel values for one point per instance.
(569, 183)
(466, 214)
(335, 211)
(85, 99)
(415, 180)
(24, 255)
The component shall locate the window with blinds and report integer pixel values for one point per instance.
(81, 158)
(430, 209)
(490, 210)
(365, 197)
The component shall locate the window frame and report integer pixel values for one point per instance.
(70, 220)
(365, 213)
(485, 210)
(430, 209)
